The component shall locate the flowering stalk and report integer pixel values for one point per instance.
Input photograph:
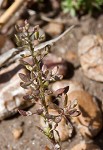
(37, 80)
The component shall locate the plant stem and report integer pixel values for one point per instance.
(42, 96)
(42, 90)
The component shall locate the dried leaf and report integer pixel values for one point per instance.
(58, 77)
(24, 85)
(74, 113)
(24, 62)
(61, 91)
(23, 77)
(22, 112)
(25, 113)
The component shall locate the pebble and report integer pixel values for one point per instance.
(17, 132)
(85, 146)
(90, 51)
(54, 29)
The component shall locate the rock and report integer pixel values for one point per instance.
(11, 92)
(85, 146)
(90, 121)
(5, 44)
(52, 60)
(65, 131)
(54, 29)
(90, 51)
(71, 56)
(73, 85)
(17, 132)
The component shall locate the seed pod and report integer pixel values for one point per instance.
(36, 35)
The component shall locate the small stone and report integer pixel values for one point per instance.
(17, 132)
(90, 51)
(85, 146)
(54, 29)
(90, 121)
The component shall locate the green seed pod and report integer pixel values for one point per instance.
(46, 84)
(17, 39)
(36, 35)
